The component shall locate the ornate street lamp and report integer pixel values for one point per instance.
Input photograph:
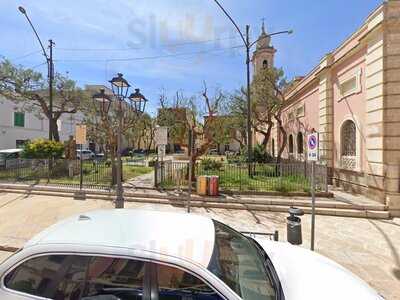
(120, 86)
(138, 102)
(103, 100)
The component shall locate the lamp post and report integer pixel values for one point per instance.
(50, 69)
(136, 102)
(248, 45)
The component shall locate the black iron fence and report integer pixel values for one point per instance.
(283, 177)
(58, 171)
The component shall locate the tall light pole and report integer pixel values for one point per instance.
(248, 45)
(136, 103)
(50, 69)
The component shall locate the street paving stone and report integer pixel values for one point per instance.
(369, 248)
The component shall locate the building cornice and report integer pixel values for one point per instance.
(359, 38)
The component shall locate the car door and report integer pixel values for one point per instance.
(172, 283)
(76, 277)
(55, 277)
(97, 277)
(113, 278)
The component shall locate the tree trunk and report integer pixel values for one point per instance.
(55, 133)
(283, 140)
(266, 134)
(149, 145)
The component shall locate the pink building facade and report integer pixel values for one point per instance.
(352, 99)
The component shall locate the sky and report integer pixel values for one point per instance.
(173, 45)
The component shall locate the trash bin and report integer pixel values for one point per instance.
(202, 185)
(213, 186)
(294, 235)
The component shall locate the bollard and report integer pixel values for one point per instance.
(294, 235)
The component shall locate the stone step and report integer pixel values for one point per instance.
(322, 203)
(371, 214)
(330, 208)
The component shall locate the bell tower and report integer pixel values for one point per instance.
(263, 57)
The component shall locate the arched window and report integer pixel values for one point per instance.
(291, 144)
(265, 64)
(348, 139)
(300, 143)
(273, 148)
(348, 142)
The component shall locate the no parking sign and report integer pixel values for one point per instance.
(313, 147)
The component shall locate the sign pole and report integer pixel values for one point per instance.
(80, 139)
(313, 156)
(81, 169)
(313, 205)
(161, 138)
(191, 138)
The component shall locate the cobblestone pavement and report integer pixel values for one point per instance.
(369, 248)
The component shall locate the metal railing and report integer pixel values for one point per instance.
(57, 171)
(283, 177)
(272, 236)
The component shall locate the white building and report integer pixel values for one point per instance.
(18, 126)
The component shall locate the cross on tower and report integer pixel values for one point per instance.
(263, 25)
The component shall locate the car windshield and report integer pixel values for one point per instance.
(238, 263)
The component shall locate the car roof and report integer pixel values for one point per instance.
(11, 150)
(186, 236)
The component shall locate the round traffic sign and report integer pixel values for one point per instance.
(312, 142)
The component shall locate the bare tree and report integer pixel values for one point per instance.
(29, 90)
(102, 127)
(269, 101)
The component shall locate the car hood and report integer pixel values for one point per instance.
(306, 275)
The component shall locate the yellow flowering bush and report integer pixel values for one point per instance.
(42, 149)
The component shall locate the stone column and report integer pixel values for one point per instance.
(326, 113)
(374, 73)
(391, 111)
(383, 105)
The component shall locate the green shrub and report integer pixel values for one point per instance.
(43, 149)
(209, 164)
(260, 155)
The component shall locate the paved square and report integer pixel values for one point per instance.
(369, 248)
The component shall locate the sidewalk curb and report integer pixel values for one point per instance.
(113, 193)
(8, 248)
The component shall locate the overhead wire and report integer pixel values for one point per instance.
(137, 48)
(150, 57)
(26, 55)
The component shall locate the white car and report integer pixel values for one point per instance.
(8, 157)
(134, 254)
(86, 154)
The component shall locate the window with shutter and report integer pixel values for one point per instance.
(19, 119)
